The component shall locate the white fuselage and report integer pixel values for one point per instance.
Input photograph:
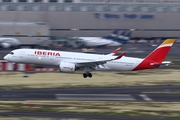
(29, 56)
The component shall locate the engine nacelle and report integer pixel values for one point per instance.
(67, 67)
(5, 45)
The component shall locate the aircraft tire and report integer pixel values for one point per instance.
(14, 69)
(85, 75)
(90, 75)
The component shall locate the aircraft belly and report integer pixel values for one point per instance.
(119, 67)
(49, 61)
(38, 60)
(32, 60)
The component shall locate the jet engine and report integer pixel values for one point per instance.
(5, 45)
(67, 67)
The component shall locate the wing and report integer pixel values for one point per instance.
(99, 62)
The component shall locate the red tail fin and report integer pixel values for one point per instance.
(157, 56)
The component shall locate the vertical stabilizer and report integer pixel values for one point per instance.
(156, 58)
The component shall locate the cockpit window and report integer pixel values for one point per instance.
(11, 53)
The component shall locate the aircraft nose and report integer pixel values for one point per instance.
(6, 57)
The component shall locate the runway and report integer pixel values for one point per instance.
(94, 90)
(94, 97)
(95, 94)
(119, 97)
(78, 115)
(120, 94)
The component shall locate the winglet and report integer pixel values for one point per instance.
(115, 51)
(120, 56)
(168, 42)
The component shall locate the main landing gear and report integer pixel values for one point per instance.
(87, 75)
(87, 72)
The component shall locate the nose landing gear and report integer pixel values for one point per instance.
(14, 67)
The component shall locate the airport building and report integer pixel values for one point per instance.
(28, 33)
(149, 18)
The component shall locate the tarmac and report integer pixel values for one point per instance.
(95, 94)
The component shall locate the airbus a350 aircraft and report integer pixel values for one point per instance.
(73, 61)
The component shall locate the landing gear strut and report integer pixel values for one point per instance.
(87, 75)
(15, 67)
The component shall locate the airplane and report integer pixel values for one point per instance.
(112, 35)
(69, 62)
(9, 42)
(98, 41)
(121, 39)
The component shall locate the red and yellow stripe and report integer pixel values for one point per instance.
(168, 42)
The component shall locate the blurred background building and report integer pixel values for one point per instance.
(150, 18)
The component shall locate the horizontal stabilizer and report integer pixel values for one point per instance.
(165, 63)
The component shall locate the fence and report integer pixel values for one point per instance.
(6, 66)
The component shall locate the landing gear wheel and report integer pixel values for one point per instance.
(85, 75)
(90, 75)
(14, 69)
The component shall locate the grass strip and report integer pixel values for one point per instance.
(15, 80)
(151, 109)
